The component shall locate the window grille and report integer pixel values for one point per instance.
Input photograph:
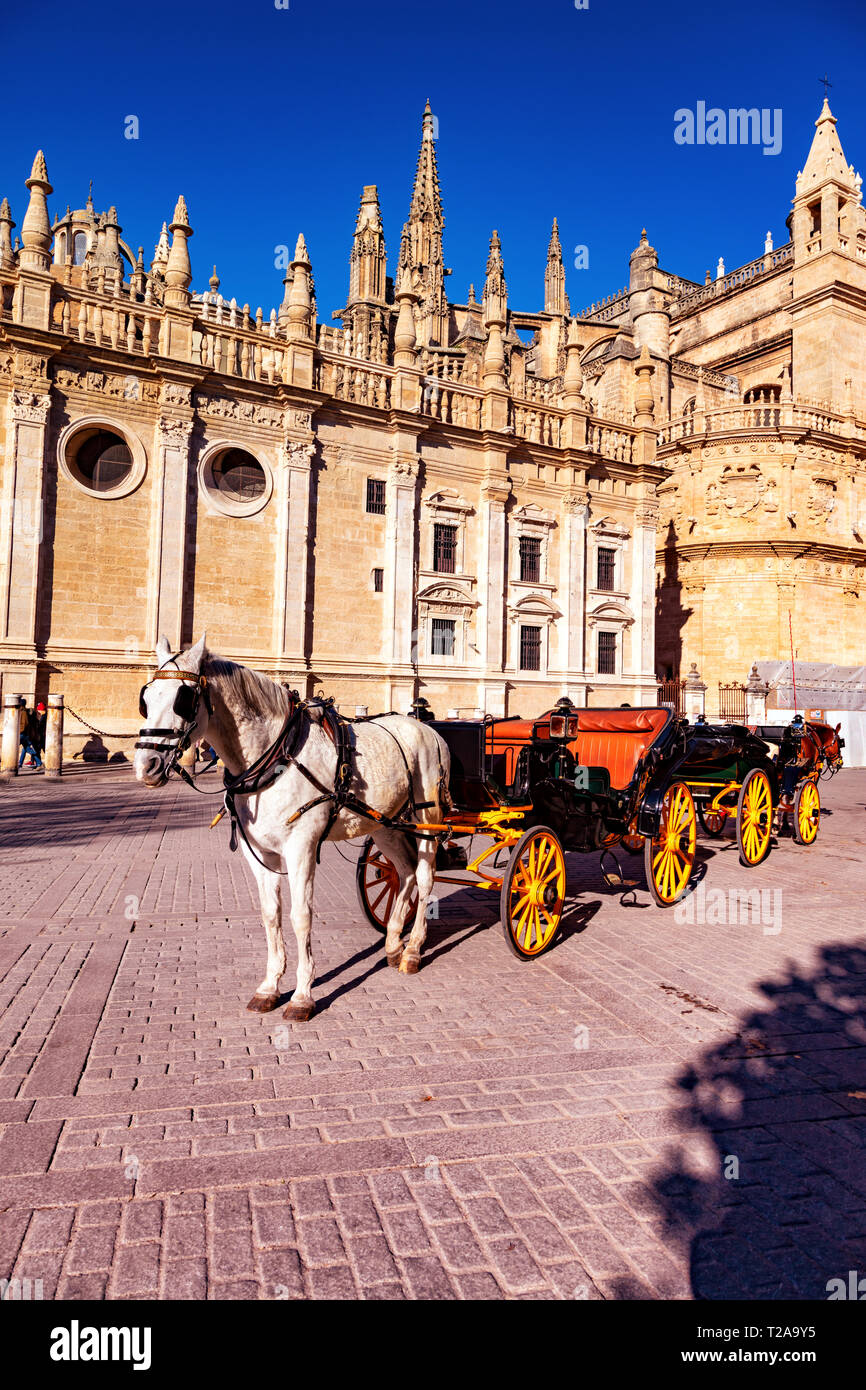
(530, 649)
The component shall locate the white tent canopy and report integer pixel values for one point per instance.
(820, 685)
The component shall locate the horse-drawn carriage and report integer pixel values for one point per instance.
(733, 774)
(573, 780)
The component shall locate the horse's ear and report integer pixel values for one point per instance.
(195, 655)
(163, 650)
(838, 726)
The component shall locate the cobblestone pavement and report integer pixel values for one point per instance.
(657, 1108)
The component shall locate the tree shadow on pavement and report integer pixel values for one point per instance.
(766, 1185)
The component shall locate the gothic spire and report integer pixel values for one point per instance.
(423, 249)
(426, 197)
(555, 298)
(826, 160)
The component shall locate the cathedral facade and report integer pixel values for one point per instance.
(483, 506)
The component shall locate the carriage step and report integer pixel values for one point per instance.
(451, 856)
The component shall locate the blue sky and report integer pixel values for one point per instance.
(270, 121)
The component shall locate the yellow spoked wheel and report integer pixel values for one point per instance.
(377, 883)
(754, 818)
(807, 813)
(533, 892)
(670, 855)
(712, 822)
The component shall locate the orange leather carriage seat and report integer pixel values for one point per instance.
(611, 738)
(616, 739)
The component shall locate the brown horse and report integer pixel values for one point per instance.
(831, 746)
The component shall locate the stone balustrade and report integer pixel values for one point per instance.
(763, 414)
(611, 441)
(766, 264)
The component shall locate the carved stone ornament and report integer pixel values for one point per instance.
(822, 499)
(174, 433)
(406, 468)
(30, 407)
(738, 491)
(175, 393)
(297, 454)
(647, 515)
(300, 419)
(30, 366)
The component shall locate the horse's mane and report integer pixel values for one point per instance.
(258, 693)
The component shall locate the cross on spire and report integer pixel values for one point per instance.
(827, 84)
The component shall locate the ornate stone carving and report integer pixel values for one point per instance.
(406, 469)
(300, 419)
(647, 515)
(30, 407)
(822, 499)
(575, 502)
(174, 433)
(296, 454)
(29, 366)
(175, 393)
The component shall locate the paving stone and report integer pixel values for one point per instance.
(156, 1141)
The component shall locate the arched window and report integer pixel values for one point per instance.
(79, 248)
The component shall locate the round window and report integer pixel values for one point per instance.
(100, 459)
(238, 476)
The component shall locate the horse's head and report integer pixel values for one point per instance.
(175, 706)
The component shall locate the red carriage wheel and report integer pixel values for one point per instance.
(713, 822)
(377, 883)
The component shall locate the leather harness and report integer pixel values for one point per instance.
(279, 757)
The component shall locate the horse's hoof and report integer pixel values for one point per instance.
(299, 1011)
(263, 1003)
(394, 957)
(410, 965)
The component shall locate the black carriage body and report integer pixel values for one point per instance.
(718, 754)
(591, 787)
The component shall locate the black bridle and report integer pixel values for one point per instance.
(192, 690)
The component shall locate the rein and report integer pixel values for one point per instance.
(275, 760)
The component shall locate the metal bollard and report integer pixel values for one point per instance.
(10, 751)
(54, 737)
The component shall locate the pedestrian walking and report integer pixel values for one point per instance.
(28, 735)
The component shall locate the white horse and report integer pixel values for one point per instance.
(393, 762)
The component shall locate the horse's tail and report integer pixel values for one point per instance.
(446, 805)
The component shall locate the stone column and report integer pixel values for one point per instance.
(401, 642)
(168, 538)
(492, 571)
(694, 702)
(22, 512)
(756, 697)
(573, 583)
(10, 748)
(643, 593)
(293, 549)
(54, 737)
